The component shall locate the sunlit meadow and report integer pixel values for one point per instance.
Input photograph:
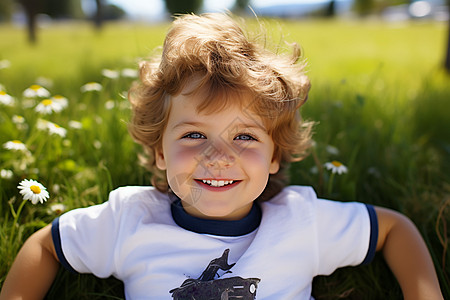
(382, 136)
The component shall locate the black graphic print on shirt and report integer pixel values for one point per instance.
(207, 287)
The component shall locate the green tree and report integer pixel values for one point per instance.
(330, 10)
(98, 16)
(54, 8)
(240, 6)
(6, 7)
(32, 8)
(183, 6)
(63, 8)
(363, 7)
(366, 7)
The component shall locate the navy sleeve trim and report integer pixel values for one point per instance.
(373, 235)
(58, 248)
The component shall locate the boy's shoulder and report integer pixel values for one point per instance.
(296, 193)
(137, 196)
(296, 200)
(136, 191)
(303, 199)
(129, 192)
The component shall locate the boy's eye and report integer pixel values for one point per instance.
(194, 135)
(245, 137)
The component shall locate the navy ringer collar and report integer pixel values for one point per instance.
(215, 227)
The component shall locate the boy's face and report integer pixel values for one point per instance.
(217, 163)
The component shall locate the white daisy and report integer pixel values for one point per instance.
(44, 81)
(48, 106)
(111, 74)
(110, 104)
(57, 208)
(6, 99)
(56, 188)
(51, 127)
(6, 174)
(56, 129)
(4, 64)
(28, 103)
(42, 124)
(91, 86)
(75, 124)
(36, 91)
(97, 144)
(61, 100)
(15, 145)
(332, 150)
(124, 105)
(33, 191)
(130, 73)
(336, 167)
(20, 122)
(18, 119)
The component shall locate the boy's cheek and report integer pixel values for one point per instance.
(255, 157)
(180, 161)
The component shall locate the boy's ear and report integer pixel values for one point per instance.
(274, 165)
(159, 159)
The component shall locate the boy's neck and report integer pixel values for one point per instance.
(215, 227)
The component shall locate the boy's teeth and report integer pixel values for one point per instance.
(217, 183)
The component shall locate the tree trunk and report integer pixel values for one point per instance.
(31, 25)
(32, 8)
(98, 18)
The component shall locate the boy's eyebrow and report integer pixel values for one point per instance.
(200, 124)
(250, 126)
(187, 123)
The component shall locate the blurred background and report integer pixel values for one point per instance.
(42, 12)
(380, 97)
(160, 10)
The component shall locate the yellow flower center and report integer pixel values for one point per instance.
(336, 163)
(57, 97)
(57, 126)
(2, 93)
(35, 87)
(47, 102)
(35, 189)
(16, 142)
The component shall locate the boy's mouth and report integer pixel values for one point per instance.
(216, 183)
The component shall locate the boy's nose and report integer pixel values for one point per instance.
(218, 156)
(221, 162)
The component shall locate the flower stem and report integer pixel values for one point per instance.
(16, 218)
(319, 168)
(330, 184)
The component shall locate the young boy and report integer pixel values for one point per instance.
(218, 118)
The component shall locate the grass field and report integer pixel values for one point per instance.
(378, 94)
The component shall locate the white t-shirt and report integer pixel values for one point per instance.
(134, 237)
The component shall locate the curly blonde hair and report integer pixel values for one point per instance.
(214, 49)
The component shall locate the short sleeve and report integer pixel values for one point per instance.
(347, 234)
(85, 238)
